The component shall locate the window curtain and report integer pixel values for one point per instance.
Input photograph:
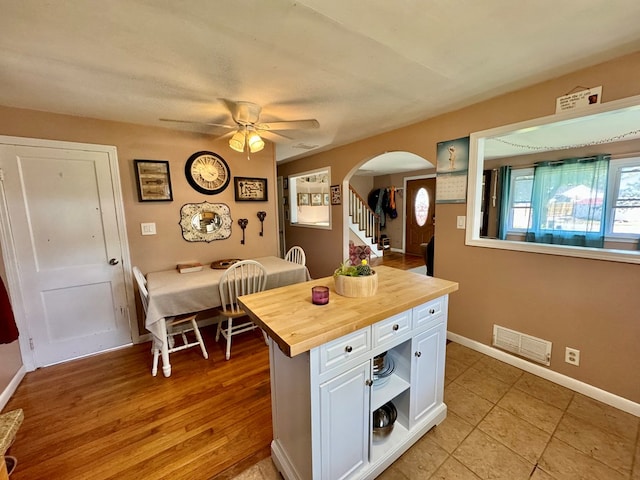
(504, 176)
(568, 202)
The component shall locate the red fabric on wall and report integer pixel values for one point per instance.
(8, 328)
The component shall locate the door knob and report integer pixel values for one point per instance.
(113, 261)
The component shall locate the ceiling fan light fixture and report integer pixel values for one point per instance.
(255, 142)
(237, 141)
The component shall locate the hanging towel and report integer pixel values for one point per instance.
(393, 213)
(8, 328)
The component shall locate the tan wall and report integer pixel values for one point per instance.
(362, 185)
(10, 364)
(164, 250)
(590, 305)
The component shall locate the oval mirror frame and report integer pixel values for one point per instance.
(476, 163)
(216, 226)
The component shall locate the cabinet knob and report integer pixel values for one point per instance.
(369, 382)
(348, 349)
(418, 354)
(396, 327)
(432, 311)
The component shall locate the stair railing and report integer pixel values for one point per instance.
(366, 219)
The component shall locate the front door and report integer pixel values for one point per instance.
(420, 211)
(61, 217)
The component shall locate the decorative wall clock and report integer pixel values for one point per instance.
(207, 172)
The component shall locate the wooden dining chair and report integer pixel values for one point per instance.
(296, 255)
(179, 325)
(242, 278)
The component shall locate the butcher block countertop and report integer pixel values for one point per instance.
(297, 325)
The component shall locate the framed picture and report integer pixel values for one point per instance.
(453, 156)
(285, 183)
(336, 195)
(325, 199)
(451, 170)
(303, 199)
(153, 180)
(250, 189)
(316, 199)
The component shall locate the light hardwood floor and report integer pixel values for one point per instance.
(106, 417)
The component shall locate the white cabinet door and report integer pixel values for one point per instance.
(427, 371)
(344, 429)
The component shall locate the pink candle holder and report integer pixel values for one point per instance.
(320, 295)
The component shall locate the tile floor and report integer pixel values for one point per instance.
(504, 423)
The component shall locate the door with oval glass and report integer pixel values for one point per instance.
(64, 250)
(420, 211)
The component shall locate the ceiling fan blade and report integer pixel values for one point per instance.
(289, 125)
(272, 136)
(232, 127)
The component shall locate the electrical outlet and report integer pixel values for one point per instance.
(572, 356)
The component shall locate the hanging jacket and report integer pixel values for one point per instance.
(380, 207)
(8, 329)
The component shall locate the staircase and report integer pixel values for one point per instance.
(364, 222)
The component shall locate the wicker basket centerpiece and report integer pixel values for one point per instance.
(355, 280)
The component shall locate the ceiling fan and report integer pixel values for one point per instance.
(248, 128)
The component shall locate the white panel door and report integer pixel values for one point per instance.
(62, 219)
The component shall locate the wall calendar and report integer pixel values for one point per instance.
(451, 188)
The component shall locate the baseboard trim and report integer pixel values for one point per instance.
(571, 383)
(8, 392)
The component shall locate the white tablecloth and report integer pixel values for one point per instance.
(173, 293)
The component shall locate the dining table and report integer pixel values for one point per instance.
(173, 293)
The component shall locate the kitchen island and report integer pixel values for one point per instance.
(323, 387)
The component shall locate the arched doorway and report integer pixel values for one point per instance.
(392, 169)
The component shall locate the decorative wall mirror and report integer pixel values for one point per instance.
(205, 222)
(611, 129)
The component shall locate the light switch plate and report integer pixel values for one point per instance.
(148, 228)
(461, 222)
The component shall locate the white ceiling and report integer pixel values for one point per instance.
(359, 68)
(585, 130)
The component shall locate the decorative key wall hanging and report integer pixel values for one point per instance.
(243, 224)
(261, 217)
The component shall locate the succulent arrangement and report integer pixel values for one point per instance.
(348, 270)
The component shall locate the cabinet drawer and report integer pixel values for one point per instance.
(424, 313)
(344, 348)
(388, 330)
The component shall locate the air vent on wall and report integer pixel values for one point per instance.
(305, 146)
(523, 345)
